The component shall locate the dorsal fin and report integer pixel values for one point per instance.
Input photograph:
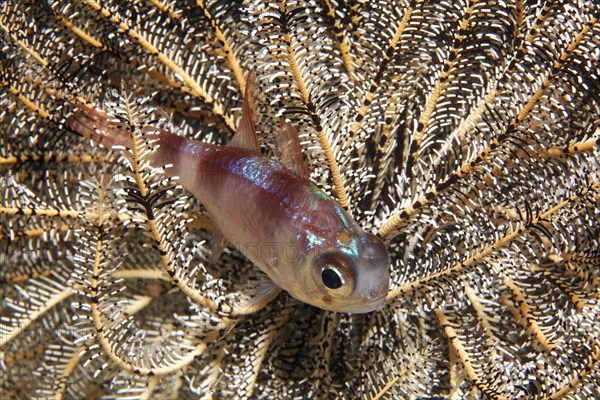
(245, 136)
(288, 143)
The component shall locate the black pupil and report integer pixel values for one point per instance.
(331, 278)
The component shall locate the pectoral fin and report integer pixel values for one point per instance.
(261, 295)
(218, 244)
(245, 136)
(288, 143)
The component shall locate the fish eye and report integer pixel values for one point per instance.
(332, 277)
(336, 275)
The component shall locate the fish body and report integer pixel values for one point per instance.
(292, 230)
(282, 222)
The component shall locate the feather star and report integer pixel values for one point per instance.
(466, 134)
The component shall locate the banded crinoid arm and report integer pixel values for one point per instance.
(504, 201)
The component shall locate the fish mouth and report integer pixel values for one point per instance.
(373, 301)
(362, 307)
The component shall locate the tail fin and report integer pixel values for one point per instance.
(99, 127)
(112, 132)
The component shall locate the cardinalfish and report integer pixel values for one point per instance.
(320, 255)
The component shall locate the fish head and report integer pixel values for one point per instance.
(351, 276)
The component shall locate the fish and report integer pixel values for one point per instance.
(293, 231)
